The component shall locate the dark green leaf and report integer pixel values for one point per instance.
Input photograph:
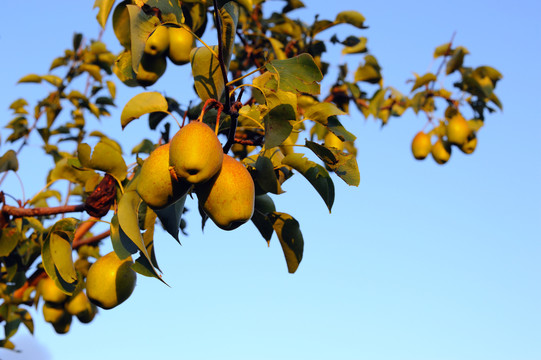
(171, 217)
(277, 125)
(9, 161)
(344, 165)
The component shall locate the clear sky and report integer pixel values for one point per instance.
(420, 262)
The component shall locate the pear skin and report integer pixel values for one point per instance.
(150, 69)
(441, 152)
(228, 199)
(110, 281)
(181, 43)
(158, 41)
(195, 153)
(458, 131)
(50, 292)
(421, 145)
(157, 186)
(80, 306)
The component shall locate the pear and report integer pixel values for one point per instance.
(158, 186)
(470, 145)
(110, 281)
(195, 153)
(150, 69)
(458, 130)
(181, 43)
(58, 317)
(50, 292)
(80, 306)
(158, 41)
(441, 152)
(421, 146)
(333, 141)
(228, 199)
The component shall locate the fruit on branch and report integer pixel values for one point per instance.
(441, 151)
(469, 146)
(158, 41)
(421, 145)
(50, 292)
(150, 69)
(57, 316)
(457, 130)
(333, 141)
(195, 153)
(181, 43)
(80, 306)
(228, 199)
(158, 185)
(110, 281)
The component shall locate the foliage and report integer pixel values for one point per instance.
(259, 88)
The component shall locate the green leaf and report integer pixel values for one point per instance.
(351, 17)
(93, 70)
(315, 174)
(325, 113)
(141, 25)
(146, 147)
(9, 161)
(104, 157)
(56, 254)
(337, 129)
(423, 80)
(53, 80)
(122, 245)
(277, 125)
(265, 175)
(171, 217)
(369, 72)
(263, 207)
(443, 50)
(290, 236)
(65, 169)
(121, 24)
(344, 165)
(358, 48)
(170, 10)
(9, 238)
(105, 7)
(456, 61)
(141, 104)
(297, 74)
(31, 78)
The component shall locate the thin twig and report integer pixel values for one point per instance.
(21, 212)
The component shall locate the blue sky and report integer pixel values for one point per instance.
(420, 262)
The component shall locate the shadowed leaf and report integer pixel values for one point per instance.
(290, 236)
(8, 161)
(297, 74)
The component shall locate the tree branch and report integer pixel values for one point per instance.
(90, 240)
(21, 212)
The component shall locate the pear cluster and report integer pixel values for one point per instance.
(194, 161)
(59, 308)
(164, 42)
(457, 133)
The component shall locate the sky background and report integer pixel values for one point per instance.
(420, 262)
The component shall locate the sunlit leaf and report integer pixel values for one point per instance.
(290, 236)
(141, 25)
(315, 174)
(342, 164)
(351, 17)
(456, 60)
(31, 78)
(141, 104)
(423, 80)
(297, 74)
(9, 238)
(105, 7)
(369, 72)
(104, 157)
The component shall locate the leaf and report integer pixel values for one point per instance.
(337, 129)
(31, 78)
(171, 217)
(105, 157)
(141, 25)
(344, 165)
(443, 50)
(325, 113)
(141, 104)
(208, 79)
(121, 23)
(56, 254)
(351, 17)
(455, 62)
(290, 236)
(315, 174)
(369, 71)
(277, 125)
(9, 161)
(65, 169)
(93, 70)
(265, 175)
(9, 238)
(263, 206)
(297, 74)
(53, 80)
(358, 48)
(423, 80)
(105, 7)
(122, 245)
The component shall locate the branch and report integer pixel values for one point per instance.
(90, 240)
(21, 212)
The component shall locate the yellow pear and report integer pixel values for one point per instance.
(441, 152)
(195, 153)
(58, 317)
(80, 306)
(110, 281)
(458, 130)
(157, 186)
(228, 199)
(158, 41)
(421, 146)
(150, 69)
(333, 141)
(181, 43)
(50, 292)
(470, 145)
